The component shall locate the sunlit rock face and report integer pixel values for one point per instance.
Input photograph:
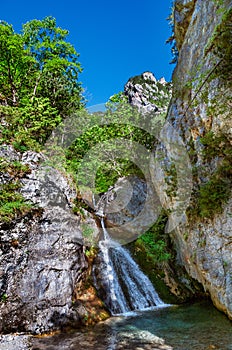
(148, 94)
(41, 253)
(200, 111)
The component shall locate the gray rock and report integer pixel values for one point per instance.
(42, 256)
(7, 151)
(15, 342)
(131, 208)
(143, 90)
(204, 246)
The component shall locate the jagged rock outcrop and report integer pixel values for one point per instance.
(201, 113)
(42, 258)
(148, 94)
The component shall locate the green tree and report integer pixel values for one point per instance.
(57, 63)
(39, 85)
(97, 143)
(17, 67)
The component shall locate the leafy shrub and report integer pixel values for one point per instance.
(215, 146)
(211, 195)
(29, 126)
(12, 203)
(153, 242)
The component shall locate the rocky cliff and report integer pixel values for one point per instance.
(42, 260)
(148, 94)
(200, 111)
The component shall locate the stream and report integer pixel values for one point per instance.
(121, 284)
(190, 327)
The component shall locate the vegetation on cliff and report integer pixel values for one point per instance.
(39, 87)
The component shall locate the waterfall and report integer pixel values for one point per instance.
(123, 285)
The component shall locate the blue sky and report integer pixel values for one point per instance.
(116, 40)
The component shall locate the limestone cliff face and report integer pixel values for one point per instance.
(200, 111)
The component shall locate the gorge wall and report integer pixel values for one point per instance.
(200, 111)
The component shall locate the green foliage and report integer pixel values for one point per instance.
(216, 146)
(115, 100)
(17, 67)
(111, 171)
(39, 84)
(39, 87)
(57, 64)
(153, 242)
(221, 45)
(99, 140)
(91, 252)
(29, 126)
(212, 194)
(14, 168)
(4, 297)
(12, 203)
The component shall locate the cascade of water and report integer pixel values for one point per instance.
(126, 287)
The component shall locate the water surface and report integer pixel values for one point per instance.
(190, 327)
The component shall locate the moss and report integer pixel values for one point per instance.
(213, 194)
(12, 203)
(186, 236)
(4, 297)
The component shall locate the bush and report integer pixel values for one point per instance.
(153, 242)
(12, 203)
